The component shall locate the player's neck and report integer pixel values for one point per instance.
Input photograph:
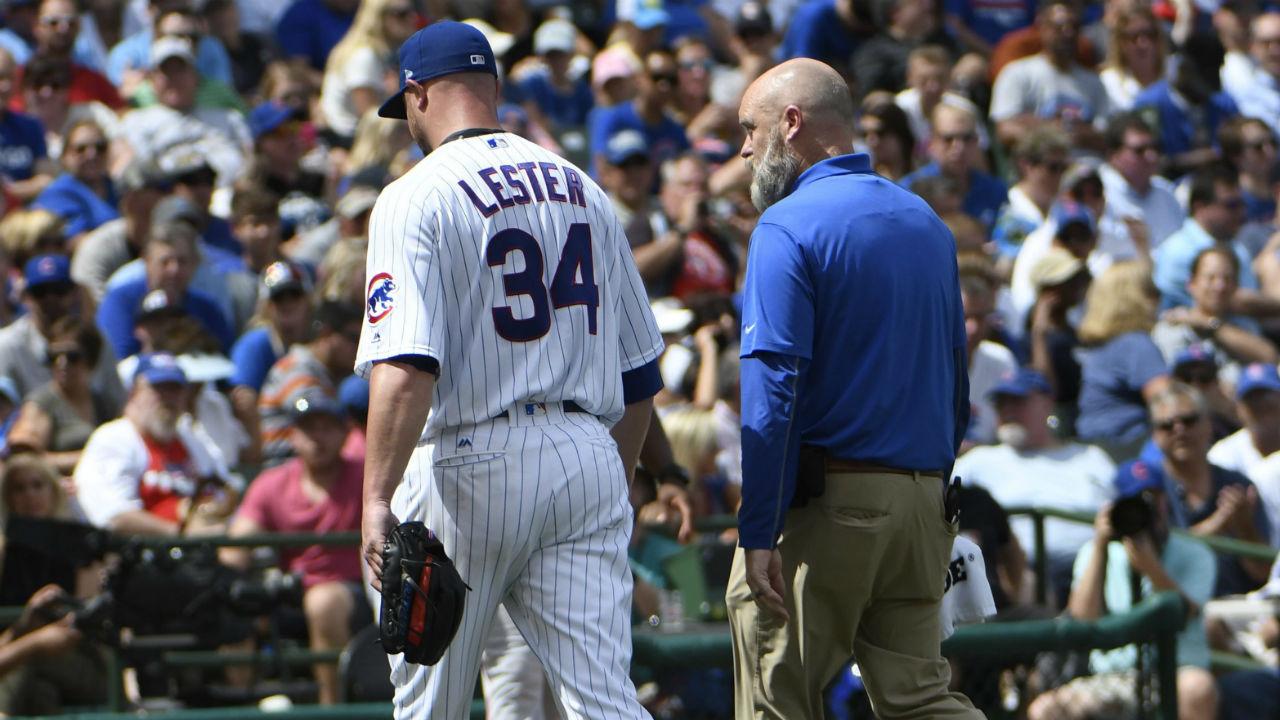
(460, 116)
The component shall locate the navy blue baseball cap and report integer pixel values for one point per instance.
(353, 393)
(1136, 477)
(441, 48)
(1021, 383)
(624, 145)
(47, 270)
(313, 402)
(1195, 353)
(159, 368)
(1258, 376)
(268, 116)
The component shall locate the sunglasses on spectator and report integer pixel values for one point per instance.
(199, 177)
(668, 78)
(1142, 149)
(100, 146)
(55, 85)
(957, 137)
(51, 20)
(71, 356)
(1188, 420)
(696, 65)
(1056, 167)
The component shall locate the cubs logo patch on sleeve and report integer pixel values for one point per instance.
(380, 302)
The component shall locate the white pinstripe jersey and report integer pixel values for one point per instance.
(506, 263)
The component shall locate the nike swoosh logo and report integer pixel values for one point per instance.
(747, 330)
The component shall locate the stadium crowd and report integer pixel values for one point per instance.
(187, 186)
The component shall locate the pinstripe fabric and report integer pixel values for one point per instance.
(532, 507)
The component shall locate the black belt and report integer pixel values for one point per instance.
(839, 465)
(568, 406)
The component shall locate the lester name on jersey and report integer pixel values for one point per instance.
(506, 265)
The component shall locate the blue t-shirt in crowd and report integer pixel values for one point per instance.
(987, 193)
(991, 20)
(21, 144)
(1111, 380)
(1181, 126)
(817, 32)
(1258, 209)
(852, 340)
(134, 53)
(564, 110)
(666, 138)
(311, 29)
(253, 355)
(77, 204)
(119, 309)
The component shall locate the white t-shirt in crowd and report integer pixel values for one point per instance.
(989, 363)
(362, 70)
(1266, 476)
(1034, 86)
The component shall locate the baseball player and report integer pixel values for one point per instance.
(512, 359)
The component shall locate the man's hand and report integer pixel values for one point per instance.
(55, 637)
(676, 499)
(376, 523)
(1102, 531)
(764, 577)
(1142, 553)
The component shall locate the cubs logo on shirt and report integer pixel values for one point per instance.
(380, 303)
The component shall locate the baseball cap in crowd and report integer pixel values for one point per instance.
(1258, 376)
(441, 48)
(47, 270)
(1136, 477)
(625, 145)
(1056, 267)
(159, 368)
(650, 14)
(268, 116)
(357, 201)
(1070, 212)
(613, 62)
(1193, 354)
(499, 41)
(141, 175)
(186, 162)
(156, 304)
(1021, 383)
(281, 277)
(555, 34)
(313, 402)
(353, 393)
(168, 47)
(176, 208)
(753, 20)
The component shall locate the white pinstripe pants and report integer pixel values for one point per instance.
(534, 511)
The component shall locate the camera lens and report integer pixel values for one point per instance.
(1130, 516)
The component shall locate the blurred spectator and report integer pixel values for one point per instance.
(358, 70)
(46, 666)
(1197, 366)
(886, 130)
(46, 84)
(83, 195)
(320, 363)
(928, 77)
(255, 220)
(1120, 367)
(57, 419)
(145, 473)
(1104, 586)
(554, 91)
(288, 84)
(880, 63)
(32, 488)
(626, 174)
(1188, 107)
(1136, 54)
(1051, 87)
(111, 245)
(1031, 466)
(49, 296)
(18, 35)
(353, 394)
(10, 402)
(220, 136)
(1255, 86)
(318, 491)
(1208, 320)
(1250, 449)
(351, 220)
(1073, 228)
(250, 52)
(211, 92)
(1042, 156)
(132, 58)
(646, 114)
(1206, 499)
(697, 258)
(1249, 145)
(988, 361)
(1217, 214)
(310, 29)
(1133, 190)
(57, 26)
(954, 151)
(279, 148)
(1061, 281)
(979, 26)
(169, 261)
(193, 179)
(28, 233)
(25, 168)
(828, 30)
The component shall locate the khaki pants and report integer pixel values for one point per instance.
(863, 569)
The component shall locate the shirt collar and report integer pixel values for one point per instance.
(838, 165)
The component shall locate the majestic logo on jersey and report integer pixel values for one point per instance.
(380, 302)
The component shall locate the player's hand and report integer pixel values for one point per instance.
(376, 523)
(764, 577)
(676, 499)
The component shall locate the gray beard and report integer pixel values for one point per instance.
(773, 173)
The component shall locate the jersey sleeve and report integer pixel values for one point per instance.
(404, 292)
(639, 341)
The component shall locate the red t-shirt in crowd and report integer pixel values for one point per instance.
(276, 502)
(87, 85)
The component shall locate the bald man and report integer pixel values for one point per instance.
(854, 401)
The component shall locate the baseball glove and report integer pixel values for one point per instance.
(422, 595)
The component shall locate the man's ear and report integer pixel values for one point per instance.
(793, 120)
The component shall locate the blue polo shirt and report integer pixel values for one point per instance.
(21, 144)
(253, 355)
(853, 336)
(817, 32)
(310, 29)
(118, 312)
(77, 204)
(987, 193)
